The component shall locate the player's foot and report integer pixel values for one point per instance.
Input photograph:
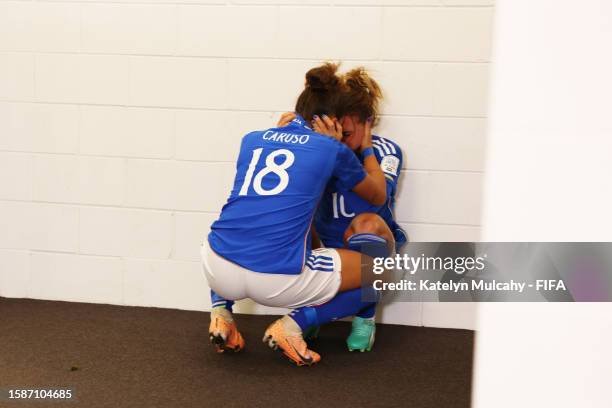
(287, 335)
(224, 334)
(362, 334)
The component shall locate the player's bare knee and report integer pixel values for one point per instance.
(368, 223)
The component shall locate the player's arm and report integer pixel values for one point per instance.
(373, 188)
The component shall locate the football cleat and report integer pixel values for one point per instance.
(362, 334)
(285, 334)
(224, 334)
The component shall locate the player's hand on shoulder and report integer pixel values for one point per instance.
(285, 119)
(326, 126)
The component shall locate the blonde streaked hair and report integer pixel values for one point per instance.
(361, 95)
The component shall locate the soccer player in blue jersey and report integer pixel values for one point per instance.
(345, 220)
(260, 246)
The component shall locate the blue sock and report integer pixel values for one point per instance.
(367, 312)
(220, 301)
(372, 245)
(344, 304)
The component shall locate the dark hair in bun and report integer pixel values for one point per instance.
(322, 92)
(323, 78)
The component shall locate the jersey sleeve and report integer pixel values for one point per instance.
(390, 157)
(348, 171)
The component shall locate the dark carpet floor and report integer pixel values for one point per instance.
(114, 356)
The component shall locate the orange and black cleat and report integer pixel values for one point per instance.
(224, 334)
(284, 334)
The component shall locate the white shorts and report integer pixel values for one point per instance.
(315, 285)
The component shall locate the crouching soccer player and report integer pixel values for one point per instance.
(260, 246)
(345, 220)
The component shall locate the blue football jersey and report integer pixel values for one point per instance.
(339, 206)
(281, 174)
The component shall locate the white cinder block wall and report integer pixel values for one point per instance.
(120, 122)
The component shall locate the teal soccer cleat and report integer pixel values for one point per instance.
(362, 334)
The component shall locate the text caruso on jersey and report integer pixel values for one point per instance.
(285, 137)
